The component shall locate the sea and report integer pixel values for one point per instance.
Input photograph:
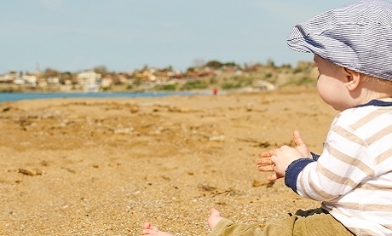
(8, 97)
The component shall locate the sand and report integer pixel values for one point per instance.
(105, 166)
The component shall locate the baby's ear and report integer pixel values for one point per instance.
(352, 79)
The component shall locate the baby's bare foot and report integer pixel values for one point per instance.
(214, 218)
(149, 229)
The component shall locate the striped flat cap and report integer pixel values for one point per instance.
(357, 36)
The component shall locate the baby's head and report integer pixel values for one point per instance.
(356, 38)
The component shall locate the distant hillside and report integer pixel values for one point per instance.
(214, 74)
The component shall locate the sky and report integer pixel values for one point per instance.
(123, 35)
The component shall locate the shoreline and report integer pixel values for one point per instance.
(15, 96)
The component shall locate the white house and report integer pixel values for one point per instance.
(30, 80)
(89, 80)
(9, 77)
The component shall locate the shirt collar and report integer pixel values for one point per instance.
(378, 103)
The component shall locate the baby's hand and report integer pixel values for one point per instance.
(265, 164)
(283, 158)
(300, 144)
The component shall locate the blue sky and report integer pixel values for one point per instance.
(74, 35)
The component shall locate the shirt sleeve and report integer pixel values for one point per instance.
(314, 156)
(343, 164)
(293, 171)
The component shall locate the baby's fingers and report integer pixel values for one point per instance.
(272, 177)
(266, 168)
(269, 153)
(297, 139)
(264, 161)
(300, 144)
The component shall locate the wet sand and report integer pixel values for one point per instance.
(104, 166)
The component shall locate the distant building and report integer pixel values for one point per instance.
(9, 77)
(53, 81)
(106, 82)
(262, 85)
(88, 80)
(30, 80)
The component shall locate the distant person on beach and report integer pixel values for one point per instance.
(352, 48)
(215, 91)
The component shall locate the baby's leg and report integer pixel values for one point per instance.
(214, 218)
(149, 229)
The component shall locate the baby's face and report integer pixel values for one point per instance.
(331, 83)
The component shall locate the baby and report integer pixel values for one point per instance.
(352, 48)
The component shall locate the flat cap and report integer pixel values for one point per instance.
(357, 36)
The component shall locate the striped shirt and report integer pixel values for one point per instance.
(353, 175)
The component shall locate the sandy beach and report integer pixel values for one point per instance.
(105, 166)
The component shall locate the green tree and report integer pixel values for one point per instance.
(270, 63)
(214, 64)
(50, 73)
(100, 70)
